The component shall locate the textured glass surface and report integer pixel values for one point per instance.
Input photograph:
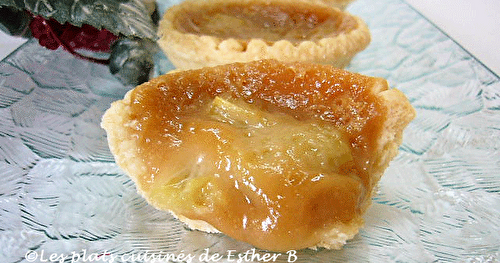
(62, 195)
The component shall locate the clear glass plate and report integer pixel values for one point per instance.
(62, 195)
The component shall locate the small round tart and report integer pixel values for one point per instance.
(199, 33)
(280, 155)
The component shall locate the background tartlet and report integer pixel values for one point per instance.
(196, 33)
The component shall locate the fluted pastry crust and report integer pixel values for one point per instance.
(188, 50)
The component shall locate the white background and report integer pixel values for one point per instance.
(474, 24)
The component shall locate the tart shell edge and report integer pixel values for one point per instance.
(190, 51)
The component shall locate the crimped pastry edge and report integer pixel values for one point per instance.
(190, 51)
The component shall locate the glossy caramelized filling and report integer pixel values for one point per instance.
(263, 161)
(272, 23)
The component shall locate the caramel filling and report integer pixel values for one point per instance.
(252, 174)
(257, 155)
(268, 22)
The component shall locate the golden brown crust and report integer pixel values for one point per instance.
(399, 114)
(342, 4)
(116, 124)
(189, 51)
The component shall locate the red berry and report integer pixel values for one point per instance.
(51, 34)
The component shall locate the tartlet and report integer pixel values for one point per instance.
(199, 33)
(280, 155)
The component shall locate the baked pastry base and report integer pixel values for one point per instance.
(190, 50)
